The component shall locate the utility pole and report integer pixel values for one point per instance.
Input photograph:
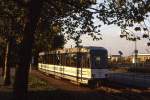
(136, 52)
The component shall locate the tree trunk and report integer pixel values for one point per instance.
(3, 61)
(22, 70)
(36, 56)
(3, 64)
(6, 76)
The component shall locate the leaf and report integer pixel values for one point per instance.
(145, 35)
(148, 44)
(130, 25)
(137, 29)
(145, 29)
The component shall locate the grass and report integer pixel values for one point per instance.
(137, 69)
(36, 86)
(36, 83)
(120, 69)
(140, 69)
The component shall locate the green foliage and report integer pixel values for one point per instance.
(10, 18)
(74, 18)
(58, 41)
(129, 15)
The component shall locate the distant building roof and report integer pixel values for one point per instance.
(95, 47)
(144, 54)
(115, 55)
(141, 54)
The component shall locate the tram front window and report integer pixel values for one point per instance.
(97, 60)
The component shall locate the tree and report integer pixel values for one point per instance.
(120, 53)
(46, 42)
(9, 32)
(57, 10)
(75, 17)
(127, 14)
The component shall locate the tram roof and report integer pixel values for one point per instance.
(95, 48)
(74, 50)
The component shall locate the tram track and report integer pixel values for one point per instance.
(124, 93)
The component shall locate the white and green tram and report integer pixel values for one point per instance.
(86, 65)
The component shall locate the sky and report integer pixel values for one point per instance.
(113, 43)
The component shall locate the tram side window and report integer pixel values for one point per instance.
(40, 59)
(60, 56)
(57, 60)
(67, 60)
(43, 59)
(85, 60)
(70, 60)
(73, 60)
(46, 59)
(88, 62)
(53, 59)
(50, 59)
(63, 59)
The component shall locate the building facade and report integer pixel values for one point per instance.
(141, 58)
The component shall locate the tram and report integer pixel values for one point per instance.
(84, 65)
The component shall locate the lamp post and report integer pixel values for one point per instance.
(135, 52)
(131, 37)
